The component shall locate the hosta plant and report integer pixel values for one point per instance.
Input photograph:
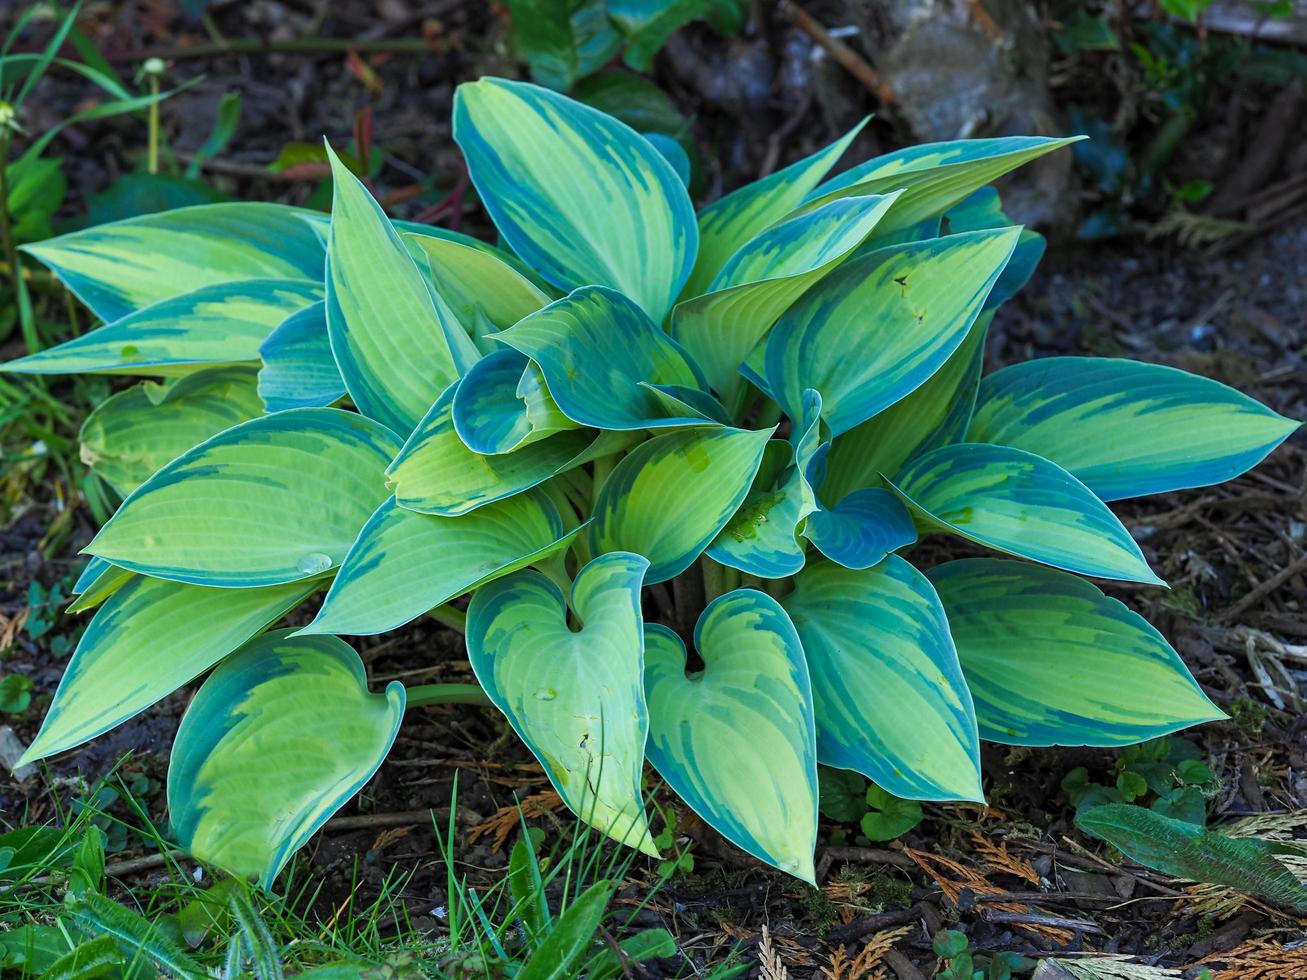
(677, 464)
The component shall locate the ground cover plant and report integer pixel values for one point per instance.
(628, 431)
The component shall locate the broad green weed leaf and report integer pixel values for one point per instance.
(1050, 660)
(132, 434)
(405, 563)
(503, 404)
(1125, 428)
(272, 500)
(395, 342)
(933, 415)
(249, 782)
(219, 324)
(125, 266)
(149, 638)
(299, 370)
(580, 196)
(571, 936)
(935, 176)
(881, 325)
(435, 473)
(736, 741)
(670, 496)
(574, 696)
(598, 351)
(1249, 866)
(890, 698)
(1020, 503)
(728, 223)
(890, 817)
(763, 279)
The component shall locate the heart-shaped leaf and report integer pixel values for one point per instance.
(149, 638)
(396, 343)
(218, 324)
(736, 741)
(574, 696)
(405, 563)
(132, 434)
(1050, 660)
(188, 248)
(299, 370)
(670, 496)
(881, 325)
(435, 472)
(272, 500)
(277, 740)
(1126, 428)
(595, 348)
(890, 698)
(580, 196)
(1017, 502)
(731, 221)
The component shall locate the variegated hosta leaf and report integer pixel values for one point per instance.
(278, 738)
(935, 176)
(889, 696)
(1017, 502)
(729, 222)
(581, 197)
(670, 496)
(405, 563)
(132, 434)
(934, 415)
(983, 209)
(1050, 660)
(412, 229)
(149, 638)
(219, 324)
(575, 697)
(595, 348)
(99, 580)
(435, 473)
(476, 282)
(299, 370)
(397, 344)
(736, 741)
(503, 404)
(1126, 428)
(276, 499)
(862, 528)
(763, 278)
(760, 538)
(125, 266)
(881, 325)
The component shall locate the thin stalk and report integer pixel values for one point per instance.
(153, 162)
(455, 619)
(603, 468)
(302, 45)
(688, 593)
(423, 695)
(730, 579)
(713, 584)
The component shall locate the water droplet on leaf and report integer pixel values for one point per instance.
(313, 563)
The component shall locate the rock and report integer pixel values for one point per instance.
(11, 750)
(963, 69)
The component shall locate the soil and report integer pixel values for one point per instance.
(1235, 554)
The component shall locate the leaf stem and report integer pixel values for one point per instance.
(424, 695)
(713, 579)
(153, 162)
(455, 619)
(603, 468)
